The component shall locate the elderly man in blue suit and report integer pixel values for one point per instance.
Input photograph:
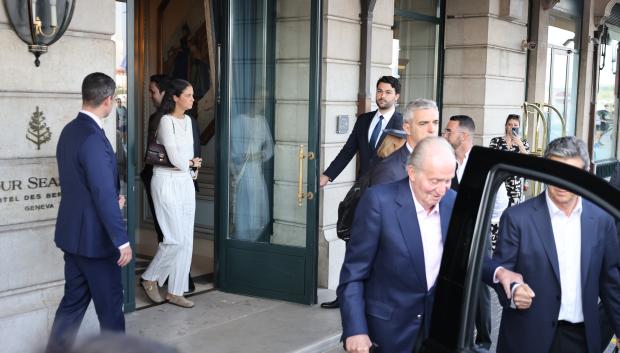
(566, 249)
(388, 277)
(90, 229)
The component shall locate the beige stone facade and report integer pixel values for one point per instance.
(486, 75)
(32, 279)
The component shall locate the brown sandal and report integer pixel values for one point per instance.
(152, 292)
(179, 300)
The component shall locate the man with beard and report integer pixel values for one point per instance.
(368, 133)
(366, 137)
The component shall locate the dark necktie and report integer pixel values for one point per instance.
(375, 133)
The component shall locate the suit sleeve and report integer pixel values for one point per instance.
(346, 153)
(358, 264)
(98, 163)
(609, 290)
(507, 251)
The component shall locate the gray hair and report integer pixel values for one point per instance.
(568, 147)
(418, 104)
(429, 147)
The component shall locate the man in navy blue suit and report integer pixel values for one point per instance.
(392, 261)
(367, 133)
(566, 249)
(90, 229)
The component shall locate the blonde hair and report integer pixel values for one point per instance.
(389, 145)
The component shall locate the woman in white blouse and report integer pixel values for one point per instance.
(174, 198)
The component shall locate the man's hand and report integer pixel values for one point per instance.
(323, 180)
(506, 278)
(358, 344)
(121, 201)
(523, 296)
(125, 256)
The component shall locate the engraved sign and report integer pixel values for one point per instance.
(29, 193)
(38, 131)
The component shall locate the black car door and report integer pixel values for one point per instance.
(452, 321)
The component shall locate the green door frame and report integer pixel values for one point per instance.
(224, 246)
(129, 271)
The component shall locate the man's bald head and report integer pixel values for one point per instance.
(431, 147)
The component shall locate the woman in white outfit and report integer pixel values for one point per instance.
(174, 198)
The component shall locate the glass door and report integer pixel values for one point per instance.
(267, 223)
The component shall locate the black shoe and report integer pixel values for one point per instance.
(331, 305)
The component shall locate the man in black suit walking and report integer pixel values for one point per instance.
(366, 137)
(368, 133)
(460, 132)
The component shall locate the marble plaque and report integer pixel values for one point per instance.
(29, 192)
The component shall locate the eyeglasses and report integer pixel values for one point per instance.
(447, 132)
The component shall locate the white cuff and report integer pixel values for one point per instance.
(123, 246)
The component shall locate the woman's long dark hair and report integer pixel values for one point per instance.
(175, 88)
(172, 87)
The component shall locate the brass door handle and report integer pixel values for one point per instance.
(301, 195)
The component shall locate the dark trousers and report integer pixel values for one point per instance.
(569, 338)
(146, 175)
(483, 318)
(86, 279)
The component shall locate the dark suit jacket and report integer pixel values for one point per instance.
(526, 245)
(358, 143)
(383, 289)
(90, 222)
(391, 168)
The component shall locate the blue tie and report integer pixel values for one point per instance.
(375, 133)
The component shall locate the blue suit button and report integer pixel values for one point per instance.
(553, 323)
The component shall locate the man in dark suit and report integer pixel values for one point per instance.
(460, 134)
(90, 229)
(421, 120)
(566, 248)
(366, 137)
(392, 261)
(368, 133)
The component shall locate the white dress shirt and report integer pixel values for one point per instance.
(100, 124)
(461, 167)
(375, 120)
(409, 147)
(432, 242)
(567, 235)
(94, 117)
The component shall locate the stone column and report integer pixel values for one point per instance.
(341, 65)
(485, 67)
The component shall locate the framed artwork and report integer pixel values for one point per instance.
(186, 46)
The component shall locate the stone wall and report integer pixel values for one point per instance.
(31, 280)
(485, 67)
(341, 65)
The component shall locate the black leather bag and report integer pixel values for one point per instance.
(156, 153)
(346, 208)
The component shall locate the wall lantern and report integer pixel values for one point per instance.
(39, 23)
